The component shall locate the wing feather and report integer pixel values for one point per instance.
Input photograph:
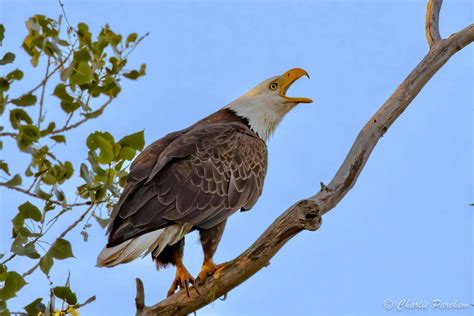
(198, 176)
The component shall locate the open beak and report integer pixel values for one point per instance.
(287, 79)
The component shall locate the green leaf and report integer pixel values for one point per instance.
(127, 153)
(4, 167)
(61, 93)
(17, 116)
(28, 249)
(136, 140)
(131, 39)
(35, 308)
(61, 249)
(8, 58)
(41, 193)
(3, 309)
(93, 160)
(30, 132)
(13, 283)
(25, 100)
(84, 34)
(67, 169)
(58, 193)
(28, 210)
(2, 33)
(48, 130)
(83, 74)
(64, 76)
(85, 173)
(45, 263)
(93, 114)
(4, 85)
(65, 293)
(110, 87)
(103, 222)
(59, 138)
(106, 150)
(69, 107)
(104, 142)
(15, 181)
(16, 74)
(135, 74)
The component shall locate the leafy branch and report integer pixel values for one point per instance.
(83, 75)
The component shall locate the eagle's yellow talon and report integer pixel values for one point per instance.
(208, 269)
(182, 280)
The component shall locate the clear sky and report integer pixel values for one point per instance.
(404, 232)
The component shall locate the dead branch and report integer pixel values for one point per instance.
(306, 214)
(432, 21)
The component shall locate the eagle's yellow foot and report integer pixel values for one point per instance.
(208, 269)
(182, 280)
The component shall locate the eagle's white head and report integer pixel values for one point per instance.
(266, 104)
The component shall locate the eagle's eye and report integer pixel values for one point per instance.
(273, 86)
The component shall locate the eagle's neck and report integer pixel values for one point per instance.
(263, 117)
(222, 116)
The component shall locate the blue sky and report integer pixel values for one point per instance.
(404, 232)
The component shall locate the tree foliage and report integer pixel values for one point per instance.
(84, 73)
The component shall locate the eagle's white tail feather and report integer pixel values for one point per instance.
(142, 245)
(173, 234)
(128, 250)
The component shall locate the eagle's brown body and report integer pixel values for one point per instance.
(195, 178)
(199, 176)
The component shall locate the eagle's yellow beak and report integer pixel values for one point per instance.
(285, 81)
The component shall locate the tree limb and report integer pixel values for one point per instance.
(306, 214)
(43, 89)
(80, 122)
(62, 235)
(432, 21)
(60, 203)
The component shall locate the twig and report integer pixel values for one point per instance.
(136, 44)
(62, 235)
(61, 4)
(13, 255)
(43, 89)
(46, 78)
(140, 297)
(80, 122)
(39, 197)
(306, 214)
(88, 301)
(432, 21)
(9, 134)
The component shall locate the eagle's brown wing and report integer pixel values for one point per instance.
(198, 176)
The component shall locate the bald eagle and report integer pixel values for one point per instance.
(194, 179)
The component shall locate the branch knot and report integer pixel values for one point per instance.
(309, 215)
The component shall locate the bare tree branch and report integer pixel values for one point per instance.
(9, 134)
(432, 21)
(306, 214)
(62, 235)
(80, 122)
(66, 126)
(27, 192)
(43, 89)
